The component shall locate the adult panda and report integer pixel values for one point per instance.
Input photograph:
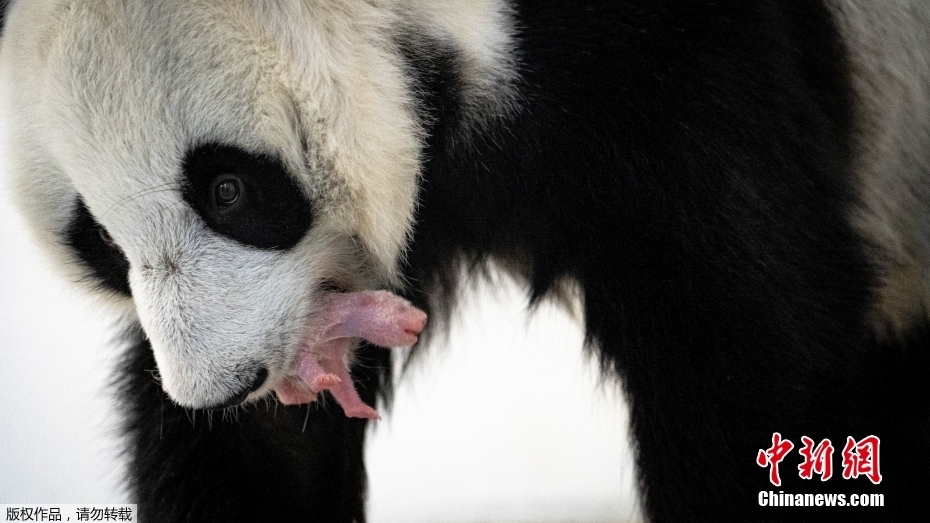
(737, 190)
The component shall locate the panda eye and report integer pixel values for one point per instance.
(248, 197)
(94, 246)
(105, 236)
(107, 239)
(226, 190)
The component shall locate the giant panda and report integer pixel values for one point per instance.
(735, 191)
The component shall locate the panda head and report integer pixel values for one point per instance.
(212, 169)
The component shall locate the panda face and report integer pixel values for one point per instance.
(212, 170)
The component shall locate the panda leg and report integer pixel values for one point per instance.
(707, 393)
(260, 462)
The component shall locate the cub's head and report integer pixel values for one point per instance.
(213, 169)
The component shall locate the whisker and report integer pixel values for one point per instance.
(165, 187)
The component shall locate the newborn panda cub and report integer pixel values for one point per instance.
(380, 317)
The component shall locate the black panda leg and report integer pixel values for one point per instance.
(263, 462)
(710, 379)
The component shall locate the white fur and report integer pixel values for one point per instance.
(106, 96)
(483, 32)
(889, 44)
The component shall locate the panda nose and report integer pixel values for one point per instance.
(239, 397)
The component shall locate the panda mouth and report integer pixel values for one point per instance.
(379, 317)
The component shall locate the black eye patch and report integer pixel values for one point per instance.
(97, 251)
(247, 197)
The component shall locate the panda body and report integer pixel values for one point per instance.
(736, 192)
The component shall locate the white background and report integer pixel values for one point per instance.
(505, 421)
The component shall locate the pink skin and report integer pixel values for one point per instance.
(380, 317)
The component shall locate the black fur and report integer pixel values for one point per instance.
(688, 164)
(93, 246)
(263, 462)
(4, 5)
(270, 211)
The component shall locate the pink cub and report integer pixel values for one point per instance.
(380, 317)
